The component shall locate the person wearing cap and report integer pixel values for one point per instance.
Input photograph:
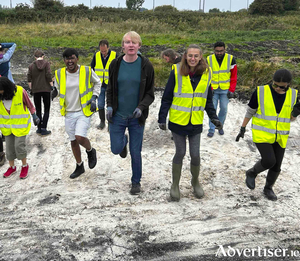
(40, 82)
(271, 109)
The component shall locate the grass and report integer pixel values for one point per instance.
(231, 28)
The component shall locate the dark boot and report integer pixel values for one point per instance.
(252, 173)
(78, 171)
(176, 173)
(198, 190)
(92, 158)
(102, 119)
(270, 181)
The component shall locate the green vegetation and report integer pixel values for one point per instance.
(250, 37)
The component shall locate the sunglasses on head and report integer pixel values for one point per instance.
(285, 88)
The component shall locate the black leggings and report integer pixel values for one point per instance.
(271, 155)
(180, 144)
(37, 97)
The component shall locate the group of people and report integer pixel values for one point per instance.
(195, 85)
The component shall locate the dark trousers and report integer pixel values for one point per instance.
(1, 143)
(271, 155)
(37, 97)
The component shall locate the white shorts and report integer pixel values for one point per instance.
(76, 123)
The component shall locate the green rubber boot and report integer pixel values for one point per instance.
(176, 173)
(198, 190)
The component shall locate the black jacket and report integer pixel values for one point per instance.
(146, 87)
(166, 103)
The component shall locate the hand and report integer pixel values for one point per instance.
(162, 126)
(54, 93)
(217, 123)
(230, 95)
(296, 110)
(241, 134)
(109, 114)
(137, 113)
(36, 119)
(92, 102)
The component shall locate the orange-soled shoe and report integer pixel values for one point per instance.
(24, 172)
(10, 171)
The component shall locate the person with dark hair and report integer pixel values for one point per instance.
(170, 56)
(40, 82)
(270, 108)
(15, 123)
(79, 88)
(223, 82)
(100, 64)
(5, 59)
(130, 92)
(187, 94)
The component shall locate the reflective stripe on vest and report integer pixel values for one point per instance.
(85, 89)
(18, 122)
(188, 105)
(99, 70)
(221, 74)
(267, 125)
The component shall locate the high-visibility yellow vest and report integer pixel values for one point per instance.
(267, 125)
(99, 70)
(85, 89)
(188, 105)
(221, 74)
(18, 122)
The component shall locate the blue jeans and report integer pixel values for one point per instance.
(219, 95)
(101, 98)
(118, 141)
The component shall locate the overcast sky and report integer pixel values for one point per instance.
(223, 5)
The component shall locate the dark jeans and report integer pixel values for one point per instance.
(271, 155)
(37, 97)
(101, 98)
(118, 141)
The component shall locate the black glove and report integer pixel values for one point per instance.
(241, 134)
(162, 126)
(109, 114)
(296, 110)
(230, 95)
(54, 93)
(92, 101)
(217, 123)
(36, 119)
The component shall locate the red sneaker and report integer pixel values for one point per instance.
(24, 172)
(10, 171)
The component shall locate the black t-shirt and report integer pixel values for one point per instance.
(278, 99)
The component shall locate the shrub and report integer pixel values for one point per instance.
(266, 7)
(165, 8)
